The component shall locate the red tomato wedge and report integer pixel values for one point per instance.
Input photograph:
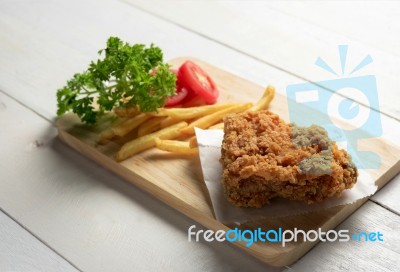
(176, 99)
(181, 93)
(193, 101)
(195, 79)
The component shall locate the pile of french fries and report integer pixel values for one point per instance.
(172, 129)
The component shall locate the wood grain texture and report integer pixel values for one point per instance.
(372, 25)
(91, 217)
(273, 35)
(20, 251)
(292, 43)
(59, 50)
(388, 197)
(178, 181)
(344, 256)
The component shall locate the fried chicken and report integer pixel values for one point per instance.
(263, 157)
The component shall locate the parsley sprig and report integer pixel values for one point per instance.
(122, 78)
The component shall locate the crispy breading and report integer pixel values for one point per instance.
(263, 157)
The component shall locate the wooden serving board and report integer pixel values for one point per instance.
(178, 180)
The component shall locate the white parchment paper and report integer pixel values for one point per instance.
(210, 141)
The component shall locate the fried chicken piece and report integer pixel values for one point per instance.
(263, 157)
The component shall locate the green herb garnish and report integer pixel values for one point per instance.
(128, 75)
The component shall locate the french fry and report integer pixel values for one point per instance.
(193, 142)
(150, 126)
(265, 100)
(171, 124)
(194, 112)
(108, 133)
(127, 112)
(148, 141)
(217, 126)
(130, 124)
(209, 120)
(177, 147)
(169, 121)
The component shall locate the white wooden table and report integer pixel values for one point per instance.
(62, 212)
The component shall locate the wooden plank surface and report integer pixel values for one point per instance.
(388, 197)
(62, 53)
(287, 42)
(40, 48)
(178, 181)
(373, 24)
(92, 218)
(272, 31)
(20, 251)
(339, 256)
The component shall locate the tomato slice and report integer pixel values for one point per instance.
(176, 99)
(193, 101)
(195, 79)
(181, 93)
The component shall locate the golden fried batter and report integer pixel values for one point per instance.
(263, 157)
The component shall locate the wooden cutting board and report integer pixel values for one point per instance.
(178, 181)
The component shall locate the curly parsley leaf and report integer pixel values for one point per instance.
(123, 78)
